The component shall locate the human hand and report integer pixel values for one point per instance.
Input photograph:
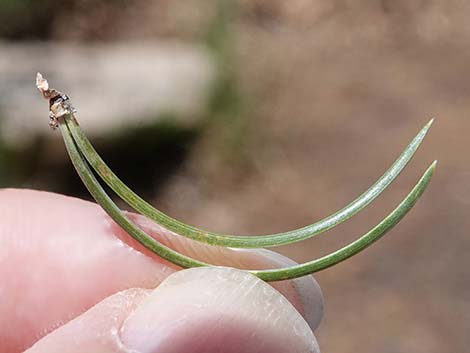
(71, 280)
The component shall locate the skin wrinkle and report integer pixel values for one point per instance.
(114, 310)
(116, 332)
(117, 335)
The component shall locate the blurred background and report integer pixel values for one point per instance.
(265, 115)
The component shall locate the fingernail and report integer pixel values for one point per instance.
(306, 289)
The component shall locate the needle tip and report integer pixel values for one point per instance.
(432, 168)
(428, 125)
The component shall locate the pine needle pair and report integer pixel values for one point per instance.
(85, 158)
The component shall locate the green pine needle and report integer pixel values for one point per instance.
(246, 241)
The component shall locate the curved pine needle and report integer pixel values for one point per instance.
(358, 245)
(268, 275)
(241, 241)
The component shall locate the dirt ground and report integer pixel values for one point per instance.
(339, 90)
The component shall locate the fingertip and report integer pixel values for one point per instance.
(216, 309)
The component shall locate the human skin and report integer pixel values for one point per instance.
(71, 280)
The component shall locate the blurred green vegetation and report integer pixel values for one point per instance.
(227, 105)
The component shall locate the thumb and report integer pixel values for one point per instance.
(200, 310)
